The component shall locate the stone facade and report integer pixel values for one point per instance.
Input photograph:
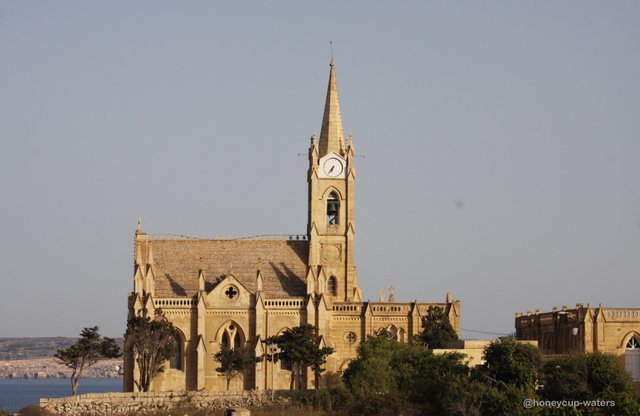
(242, 290)
(585, 329)
(473, 349)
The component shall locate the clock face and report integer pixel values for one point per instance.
(332, 167)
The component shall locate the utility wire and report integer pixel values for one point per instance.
(484, 332)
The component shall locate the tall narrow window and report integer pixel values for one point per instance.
(332, 288)
(175, 361)
(285, 365)
(231, 337)
(333, 209)
(632, 358)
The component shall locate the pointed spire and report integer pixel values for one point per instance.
(201, 281)
(331, 135)
(259, 281)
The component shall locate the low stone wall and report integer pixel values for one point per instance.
(99, 404)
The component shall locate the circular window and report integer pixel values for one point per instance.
(231, 292)
(350, 337)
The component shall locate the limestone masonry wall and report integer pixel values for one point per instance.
(99, 404)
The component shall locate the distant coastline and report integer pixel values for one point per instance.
(35, 347)
(41, 368)
(32, 358)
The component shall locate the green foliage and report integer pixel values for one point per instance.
(234, 361)
(626, 404)
(299, 346)
(508, 362)
(565, 377)
(392, 378)
(88, 350)
(605, 373)
(505, 401)
(371, 373)
(437, 331)
(584, 377)
(423, 376)
(151, 342)
(387, 373)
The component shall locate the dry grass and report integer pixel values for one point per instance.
(274, 410)
(289, 410)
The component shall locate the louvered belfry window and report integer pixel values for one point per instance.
(332, 286)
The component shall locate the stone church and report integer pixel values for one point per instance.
(585, 329)
(240, 291)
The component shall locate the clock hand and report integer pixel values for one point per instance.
(331, 170)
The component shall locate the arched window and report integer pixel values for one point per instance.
(231, 337)
(175, 361)
(285, 365)
(333, 209)
(332, 286)
(390, 332)
(393, 331)
(632, 358)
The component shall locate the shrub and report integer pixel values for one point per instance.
(32, 410)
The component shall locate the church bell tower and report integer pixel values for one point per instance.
(331, 226)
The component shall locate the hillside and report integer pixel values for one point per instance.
(29, 348)
(33, 358)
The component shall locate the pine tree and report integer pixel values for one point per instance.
(152, 343)
(437, 331)
(87, 351)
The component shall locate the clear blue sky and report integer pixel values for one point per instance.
(502, 144)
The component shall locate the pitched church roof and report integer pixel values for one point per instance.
(282, 264)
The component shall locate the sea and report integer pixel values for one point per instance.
(18, 393)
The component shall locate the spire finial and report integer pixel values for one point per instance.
(331, 45)
(139, 228)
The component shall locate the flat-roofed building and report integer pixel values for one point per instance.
(585, 329)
